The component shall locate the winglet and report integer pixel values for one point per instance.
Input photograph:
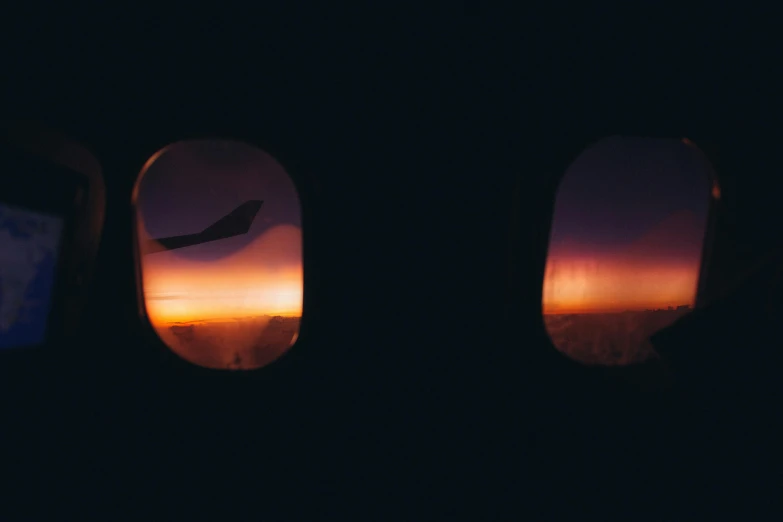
(236, 223)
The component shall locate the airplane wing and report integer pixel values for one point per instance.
(234, 224)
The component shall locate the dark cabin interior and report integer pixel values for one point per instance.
(423, 385)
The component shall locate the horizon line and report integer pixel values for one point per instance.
(585, 312)
(287, 315)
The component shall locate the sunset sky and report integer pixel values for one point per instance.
(628, 228)
(192, 185)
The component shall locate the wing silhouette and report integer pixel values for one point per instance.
(235, 223)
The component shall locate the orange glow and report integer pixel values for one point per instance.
(715, 190)
(592, 285)
(255, 281)
(658, 270)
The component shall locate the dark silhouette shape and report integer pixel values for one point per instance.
(234, 224)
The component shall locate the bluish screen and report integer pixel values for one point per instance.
(29, 244)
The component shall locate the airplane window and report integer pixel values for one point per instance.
(220, 249)
(625, 247)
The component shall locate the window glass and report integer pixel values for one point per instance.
(220, 248)
(625, 247)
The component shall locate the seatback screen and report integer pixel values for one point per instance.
(29, 246)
